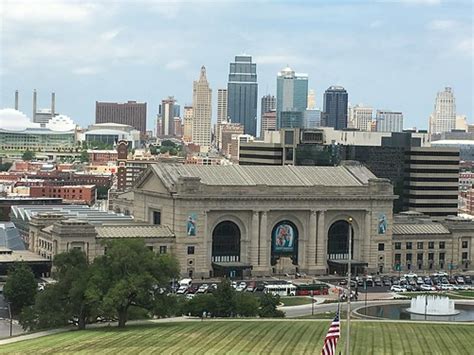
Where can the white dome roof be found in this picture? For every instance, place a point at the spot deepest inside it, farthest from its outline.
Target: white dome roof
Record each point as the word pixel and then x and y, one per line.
pixel 14 120
pixel 61 123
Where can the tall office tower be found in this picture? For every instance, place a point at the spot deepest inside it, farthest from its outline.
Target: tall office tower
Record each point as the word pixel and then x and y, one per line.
pixel 221 113
pixel 268 122
pixel 177 110
pixel 389 121
pixel 335 107
pixel 131 113
pixel 188 123
pixel 202 112
pixel 443 118
pixel 292 98
pixel 311 100
pixel 268 104
pixel 242 91
pixel 167 115
pixel 361 117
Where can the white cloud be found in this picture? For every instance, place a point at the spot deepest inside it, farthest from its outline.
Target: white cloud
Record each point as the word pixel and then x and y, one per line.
pixel 86 70
pixel 176 64
pixel 109 35
pixel 442 25
pixel 466 46
pixel 46 11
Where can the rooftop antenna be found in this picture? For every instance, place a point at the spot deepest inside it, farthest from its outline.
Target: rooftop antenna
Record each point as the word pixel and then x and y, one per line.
pixel 16 100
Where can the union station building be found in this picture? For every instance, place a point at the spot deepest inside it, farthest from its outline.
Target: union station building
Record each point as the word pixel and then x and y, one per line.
pixel 264 220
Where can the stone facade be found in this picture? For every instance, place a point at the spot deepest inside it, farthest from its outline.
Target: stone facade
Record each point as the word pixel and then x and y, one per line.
pixel 177 194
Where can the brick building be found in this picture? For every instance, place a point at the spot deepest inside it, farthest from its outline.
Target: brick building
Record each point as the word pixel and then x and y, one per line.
pixel 130 113
pixel 73 194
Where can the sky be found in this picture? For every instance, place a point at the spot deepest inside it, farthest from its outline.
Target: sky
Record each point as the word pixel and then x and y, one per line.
pixel 392 55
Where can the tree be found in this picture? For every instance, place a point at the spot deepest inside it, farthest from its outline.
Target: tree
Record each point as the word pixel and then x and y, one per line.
pixel 225 299
pixel 20 288
pixel 199 304
pixel 28 155
pixel 246 305
pixel 5 166
pixel 67 299
pixel 268 306
pixel 168 143
pixel 84 157
pixel 129 274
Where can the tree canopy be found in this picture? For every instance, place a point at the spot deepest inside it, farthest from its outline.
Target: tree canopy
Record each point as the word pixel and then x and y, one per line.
pixel 20 287
pixel 28 155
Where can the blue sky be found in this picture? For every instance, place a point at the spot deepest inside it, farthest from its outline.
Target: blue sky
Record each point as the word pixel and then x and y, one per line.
pixel 387 54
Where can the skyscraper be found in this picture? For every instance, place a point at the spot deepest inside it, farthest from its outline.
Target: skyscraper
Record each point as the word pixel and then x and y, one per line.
pixel 202 112
pixel 292 98
pixel 221 113
pixel 389 121
pixel 443 118
pixel 166 114
pixel 361 117
pixel 335 107
pixel 131 113
pixel 268 104
pixel 311 100
pixel 242 91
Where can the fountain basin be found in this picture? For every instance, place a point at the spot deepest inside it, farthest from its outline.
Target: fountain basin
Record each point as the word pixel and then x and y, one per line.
pixel 432 305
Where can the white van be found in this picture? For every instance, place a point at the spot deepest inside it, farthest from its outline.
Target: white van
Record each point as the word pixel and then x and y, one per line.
pixel 185 282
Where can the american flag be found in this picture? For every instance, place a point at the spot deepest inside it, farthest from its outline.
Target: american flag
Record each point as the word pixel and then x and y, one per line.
pixel 332 336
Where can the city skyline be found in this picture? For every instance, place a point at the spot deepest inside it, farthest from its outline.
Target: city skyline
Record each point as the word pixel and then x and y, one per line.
pixel 389 68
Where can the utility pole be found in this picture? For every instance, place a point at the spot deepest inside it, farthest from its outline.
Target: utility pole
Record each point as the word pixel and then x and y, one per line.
pixel 11 318
pixel 349 235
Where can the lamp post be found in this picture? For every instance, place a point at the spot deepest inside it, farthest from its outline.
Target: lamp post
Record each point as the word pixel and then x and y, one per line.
pixel 349 236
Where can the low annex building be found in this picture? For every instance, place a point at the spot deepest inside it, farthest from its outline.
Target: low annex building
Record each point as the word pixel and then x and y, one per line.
pixel 264 220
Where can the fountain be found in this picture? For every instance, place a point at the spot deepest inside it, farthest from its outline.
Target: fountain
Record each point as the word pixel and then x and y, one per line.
pixel 432 305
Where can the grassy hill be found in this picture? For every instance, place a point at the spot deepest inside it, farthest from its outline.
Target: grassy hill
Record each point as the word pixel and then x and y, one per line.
pixel 254 337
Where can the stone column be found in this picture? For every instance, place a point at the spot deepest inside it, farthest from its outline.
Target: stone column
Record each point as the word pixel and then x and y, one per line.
pixel 254 234
pixel 311 256
pixel 367 254
pixel 321 242
pixel 263 261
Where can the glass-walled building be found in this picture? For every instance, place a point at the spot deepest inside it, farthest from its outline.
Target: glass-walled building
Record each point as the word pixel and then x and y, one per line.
pixel 292 96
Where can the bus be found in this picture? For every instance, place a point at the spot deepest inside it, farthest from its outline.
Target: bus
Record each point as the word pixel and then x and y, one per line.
pixel 280 290
pixel 309 289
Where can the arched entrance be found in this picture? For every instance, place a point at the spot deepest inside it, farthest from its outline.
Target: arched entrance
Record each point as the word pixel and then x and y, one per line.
pixel 338 246
pixel 226 249
pixel 284 247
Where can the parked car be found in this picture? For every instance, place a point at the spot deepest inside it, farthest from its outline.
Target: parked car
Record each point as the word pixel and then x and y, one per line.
pixel 182 290
pixel 241 286
pixel 396 288
pixel 420 281
pixel 203 288
pixel 460 280
pixel 425 287
pixel 192 289
pixel 387 282
pixel 467 279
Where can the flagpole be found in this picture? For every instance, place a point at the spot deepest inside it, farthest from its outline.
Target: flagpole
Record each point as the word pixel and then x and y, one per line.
pixel 349 234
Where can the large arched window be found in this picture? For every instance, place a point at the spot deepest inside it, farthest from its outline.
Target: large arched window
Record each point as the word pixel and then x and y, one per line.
pixel 338 242
pixel 284 241
pixel 226 242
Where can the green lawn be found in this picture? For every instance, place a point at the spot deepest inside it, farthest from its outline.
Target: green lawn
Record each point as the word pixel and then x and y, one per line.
pixel 253 337
pixel 295 301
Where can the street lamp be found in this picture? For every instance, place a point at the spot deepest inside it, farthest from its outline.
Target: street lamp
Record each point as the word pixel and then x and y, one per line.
pixel 349 236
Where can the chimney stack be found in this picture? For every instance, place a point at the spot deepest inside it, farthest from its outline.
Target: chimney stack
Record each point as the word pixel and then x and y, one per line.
pixel 16 100
pixel 53 104
pixel 34 105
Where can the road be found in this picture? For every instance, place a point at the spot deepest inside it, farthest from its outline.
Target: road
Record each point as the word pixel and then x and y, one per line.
pixel 5 321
